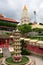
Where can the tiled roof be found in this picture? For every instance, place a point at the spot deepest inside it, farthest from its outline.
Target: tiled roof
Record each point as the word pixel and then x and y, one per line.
pixel 7 19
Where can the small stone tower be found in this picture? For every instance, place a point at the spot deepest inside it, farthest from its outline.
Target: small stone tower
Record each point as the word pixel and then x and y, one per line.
pixel 17 47
pixel 25 16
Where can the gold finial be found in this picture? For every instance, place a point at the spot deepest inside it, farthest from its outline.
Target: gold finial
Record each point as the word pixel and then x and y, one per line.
pixel 25 8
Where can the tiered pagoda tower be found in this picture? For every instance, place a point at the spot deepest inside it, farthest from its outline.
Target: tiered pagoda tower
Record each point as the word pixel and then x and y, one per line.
pixel 25 16
pixel 17 47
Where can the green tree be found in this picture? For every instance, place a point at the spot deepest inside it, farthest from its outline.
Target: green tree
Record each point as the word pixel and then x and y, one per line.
pixel 25 28
pixel 24 50
pixel 23 44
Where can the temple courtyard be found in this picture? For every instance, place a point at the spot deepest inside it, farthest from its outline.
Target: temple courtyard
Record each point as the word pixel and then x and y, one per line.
pixel 21 41
pixel 35 60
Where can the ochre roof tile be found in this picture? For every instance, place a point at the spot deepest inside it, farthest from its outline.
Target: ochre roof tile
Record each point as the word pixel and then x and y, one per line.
pixel 7 19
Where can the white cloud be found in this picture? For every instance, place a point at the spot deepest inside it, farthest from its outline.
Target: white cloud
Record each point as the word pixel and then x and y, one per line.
pixel 41 6
pixel 13 8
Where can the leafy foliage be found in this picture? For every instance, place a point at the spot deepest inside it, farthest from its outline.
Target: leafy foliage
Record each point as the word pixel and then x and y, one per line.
pixel 26 52
pixel 1 55
pixel 8 24
pixel 23 44
pixel 25 28
pixel 30 23
pixel 38 29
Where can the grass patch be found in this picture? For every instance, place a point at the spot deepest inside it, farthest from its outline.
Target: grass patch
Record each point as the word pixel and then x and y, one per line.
pixel 10 61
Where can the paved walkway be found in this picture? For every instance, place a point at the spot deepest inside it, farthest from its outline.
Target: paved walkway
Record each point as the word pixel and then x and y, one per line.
pixel 2 61
pixel 36 60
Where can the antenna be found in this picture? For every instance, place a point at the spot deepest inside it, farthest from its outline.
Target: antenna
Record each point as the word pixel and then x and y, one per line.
pixel 35 16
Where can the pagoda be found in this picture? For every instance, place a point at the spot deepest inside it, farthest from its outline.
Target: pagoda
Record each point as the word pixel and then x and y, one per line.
pixel 25 16
pixel 17 47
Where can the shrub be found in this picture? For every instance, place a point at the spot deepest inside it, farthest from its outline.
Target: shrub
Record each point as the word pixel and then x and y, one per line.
pixel 26 52
pixel 1 55
pixel 23 44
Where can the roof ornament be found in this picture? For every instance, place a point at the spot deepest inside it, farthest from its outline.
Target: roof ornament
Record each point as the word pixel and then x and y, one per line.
pixel 25 8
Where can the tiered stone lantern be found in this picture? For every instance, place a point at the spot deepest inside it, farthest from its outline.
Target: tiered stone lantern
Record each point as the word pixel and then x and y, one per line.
pixel 17 58
pixel 17 47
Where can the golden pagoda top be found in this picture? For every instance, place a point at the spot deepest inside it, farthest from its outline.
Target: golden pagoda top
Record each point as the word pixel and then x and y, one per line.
pixel 25 8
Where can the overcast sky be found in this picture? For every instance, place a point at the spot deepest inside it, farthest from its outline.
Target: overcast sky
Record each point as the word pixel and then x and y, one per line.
pixel 13 8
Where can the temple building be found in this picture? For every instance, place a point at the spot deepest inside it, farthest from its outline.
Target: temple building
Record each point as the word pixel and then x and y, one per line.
pixel 25 19
pixel 7 25
pixel 25 16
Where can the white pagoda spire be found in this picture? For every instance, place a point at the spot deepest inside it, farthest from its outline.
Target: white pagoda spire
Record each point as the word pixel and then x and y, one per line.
pixel 25 16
